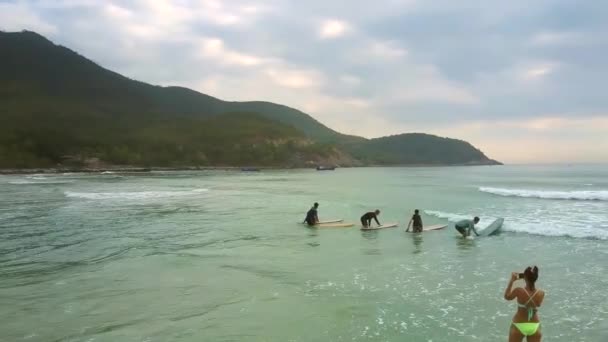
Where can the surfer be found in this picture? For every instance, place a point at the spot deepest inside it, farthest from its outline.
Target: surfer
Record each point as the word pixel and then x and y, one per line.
pixel 312 217
pixel 366 220
pixel 464 227
pixel 529 298
pixel 417 220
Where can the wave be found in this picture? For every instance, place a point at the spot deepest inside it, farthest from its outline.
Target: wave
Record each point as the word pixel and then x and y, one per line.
pixel 40 181
pixel 557 229
pixel 448 216
pixel 452 217
pixel 594 227
pixel 37 177
pixel 138 195
pixel 597 195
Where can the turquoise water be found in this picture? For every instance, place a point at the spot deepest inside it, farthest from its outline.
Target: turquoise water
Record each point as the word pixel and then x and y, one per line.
pixel 219 256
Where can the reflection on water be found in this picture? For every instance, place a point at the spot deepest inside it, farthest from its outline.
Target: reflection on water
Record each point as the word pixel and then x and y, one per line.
pixel 464 244
pixel 417 239
pixel 313 231
pixel 370 242
pixel 370 234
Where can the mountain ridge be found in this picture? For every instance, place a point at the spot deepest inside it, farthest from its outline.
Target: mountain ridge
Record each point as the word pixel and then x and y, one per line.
pixel 78 100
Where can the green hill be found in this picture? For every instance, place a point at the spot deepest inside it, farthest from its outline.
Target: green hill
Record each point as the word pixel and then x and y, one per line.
pixel 59 107
pixel 417 149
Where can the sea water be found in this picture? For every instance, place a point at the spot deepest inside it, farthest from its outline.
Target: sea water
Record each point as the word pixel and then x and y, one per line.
pixel 221 256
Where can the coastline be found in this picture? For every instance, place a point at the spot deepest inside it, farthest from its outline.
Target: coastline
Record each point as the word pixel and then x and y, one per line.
pixel 130 169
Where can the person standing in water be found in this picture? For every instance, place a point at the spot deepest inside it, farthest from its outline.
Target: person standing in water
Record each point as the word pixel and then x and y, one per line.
pixel 366 219
pixel 464 227
pixel 312 217
pixel 417 220
pixel 525 321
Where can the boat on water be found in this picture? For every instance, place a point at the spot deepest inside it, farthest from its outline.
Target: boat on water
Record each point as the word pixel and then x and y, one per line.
pixel 326 168
pixel 250 169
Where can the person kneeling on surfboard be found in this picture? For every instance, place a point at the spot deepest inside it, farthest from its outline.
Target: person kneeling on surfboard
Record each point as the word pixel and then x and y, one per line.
pixel 417 220
pixel 312 217
pixel 366 220
pixel 464 227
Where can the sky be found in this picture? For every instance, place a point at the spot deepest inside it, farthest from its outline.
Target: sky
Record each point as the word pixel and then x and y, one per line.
pixel 524 81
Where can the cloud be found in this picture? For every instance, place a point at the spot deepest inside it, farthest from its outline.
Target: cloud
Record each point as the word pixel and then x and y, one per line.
pixel 333 28
pixel 468 69
pixel 117 11
pixel 539 71
pixel 557 38
pixel 214 48
pixel 295 78
pixel 350 80
pixel 387 50
pixel 17 17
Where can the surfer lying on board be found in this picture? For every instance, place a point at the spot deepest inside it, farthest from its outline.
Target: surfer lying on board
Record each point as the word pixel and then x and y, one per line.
pixel 312 217
pixel 417 220
pixel 529 299
pixel 366 220
pixel 464 227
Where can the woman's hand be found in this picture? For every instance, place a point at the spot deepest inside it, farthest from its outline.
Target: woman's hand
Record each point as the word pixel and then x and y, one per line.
pixel 509 295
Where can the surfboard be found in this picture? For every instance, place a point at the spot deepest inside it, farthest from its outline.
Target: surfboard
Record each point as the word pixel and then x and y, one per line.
pixel 329 221
pixel 326 222
pixel 430 228
pixel 334 225
pixel 388 225
pixel 491 228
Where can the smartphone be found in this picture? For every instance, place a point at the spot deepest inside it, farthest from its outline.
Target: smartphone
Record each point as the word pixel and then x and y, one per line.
pixel 521 276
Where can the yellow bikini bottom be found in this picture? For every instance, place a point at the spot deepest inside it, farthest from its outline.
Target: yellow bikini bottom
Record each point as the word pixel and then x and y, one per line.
pixel 527 328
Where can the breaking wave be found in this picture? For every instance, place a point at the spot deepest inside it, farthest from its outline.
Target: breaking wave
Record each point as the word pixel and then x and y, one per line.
pixel 484 219
pixel 594 226
pixel 39 181
pixel 596 195
pixel 139 195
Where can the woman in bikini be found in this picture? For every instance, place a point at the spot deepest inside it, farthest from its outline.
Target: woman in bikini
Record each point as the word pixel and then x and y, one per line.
pixel 529 299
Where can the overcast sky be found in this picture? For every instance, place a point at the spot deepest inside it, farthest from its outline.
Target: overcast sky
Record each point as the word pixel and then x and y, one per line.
pixel 525 81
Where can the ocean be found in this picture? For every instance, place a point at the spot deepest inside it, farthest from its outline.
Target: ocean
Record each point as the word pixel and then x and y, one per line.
pixel 222 256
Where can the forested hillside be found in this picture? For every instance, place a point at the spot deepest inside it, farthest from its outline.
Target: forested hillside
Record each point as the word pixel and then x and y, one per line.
pixel 59 108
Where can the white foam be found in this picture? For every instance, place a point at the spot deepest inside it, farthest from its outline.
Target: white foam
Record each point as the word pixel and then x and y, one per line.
pixel 136 195
pixel 445 215
pixel 557 229
pixel 40 181
pixel 580 223
pixel 484 221
pixel 36 177
pixel 595 195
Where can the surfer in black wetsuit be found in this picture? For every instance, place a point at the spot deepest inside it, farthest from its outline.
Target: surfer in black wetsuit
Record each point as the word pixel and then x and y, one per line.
pixel 417 220
pixel 312 216
pixel 366 220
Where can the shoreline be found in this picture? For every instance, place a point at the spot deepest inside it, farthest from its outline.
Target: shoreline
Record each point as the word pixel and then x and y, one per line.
pixel 128 169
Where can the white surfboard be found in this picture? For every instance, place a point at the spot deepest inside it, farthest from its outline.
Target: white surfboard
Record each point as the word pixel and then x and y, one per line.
pixel 430 228
pixel 387 225
pixel 334 225
pixel 491 228
pixel 326 222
